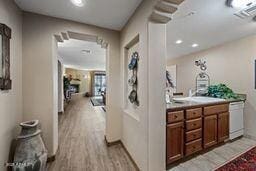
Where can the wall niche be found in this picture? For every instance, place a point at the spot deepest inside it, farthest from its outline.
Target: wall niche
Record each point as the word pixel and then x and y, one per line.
pixel 132 77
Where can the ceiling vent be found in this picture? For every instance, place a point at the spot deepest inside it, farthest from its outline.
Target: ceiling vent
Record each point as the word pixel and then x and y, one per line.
pixel 247 12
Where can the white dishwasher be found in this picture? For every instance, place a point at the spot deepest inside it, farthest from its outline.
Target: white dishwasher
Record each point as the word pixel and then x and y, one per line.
pixel 236 119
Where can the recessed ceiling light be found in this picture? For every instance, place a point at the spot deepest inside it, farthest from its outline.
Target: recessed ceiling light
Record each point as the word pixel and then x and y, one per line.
pixel 178 41
pixel 78 3
pixel 240 3
pixel 195 45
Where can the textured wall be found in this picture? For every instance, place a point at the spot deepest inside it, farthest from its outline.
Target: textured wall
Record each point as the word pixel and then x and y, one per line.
pixel 40 70
pixel 11 101
pixel 143 129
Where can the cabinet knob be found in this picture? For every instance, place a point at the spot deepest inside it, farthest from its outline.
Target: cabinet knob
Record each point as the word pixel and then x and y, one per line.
pixel 175 116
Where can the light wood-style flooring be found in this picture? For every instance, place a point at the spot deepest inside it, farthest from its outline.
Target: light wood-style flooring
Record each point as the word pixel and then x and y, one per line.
pixel 81 141
pixel 82 146
pixel 216 157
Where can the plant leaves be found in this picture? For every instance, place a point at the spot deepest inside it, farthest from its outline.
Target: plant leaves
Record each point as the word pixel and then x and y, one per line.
pixel 221 91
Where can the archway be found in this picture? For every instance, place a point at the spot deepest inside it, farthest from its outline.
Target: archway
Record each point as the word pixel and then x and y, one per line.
pixel 65 36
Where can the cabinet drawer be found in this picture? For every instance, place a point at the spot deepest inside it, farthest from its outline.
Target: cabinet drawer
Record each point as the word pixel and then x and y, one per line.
pixel 193 135
pixel 193 124
pixel 175 116
pixel 193 113
pixel 216 109
pixel 193 147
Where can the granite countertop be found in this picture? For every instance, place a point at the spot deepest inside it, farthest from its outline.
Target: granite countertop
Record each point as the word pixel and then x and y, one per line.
pixel 241 97
pixel 191 104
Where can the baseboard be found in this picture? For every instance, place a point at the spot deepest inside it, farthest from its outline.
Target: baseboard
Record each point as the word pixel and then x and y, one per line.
pixel 129 155
pixel 51 159
pixel 250 137
pixel 109 144
pixel 60 113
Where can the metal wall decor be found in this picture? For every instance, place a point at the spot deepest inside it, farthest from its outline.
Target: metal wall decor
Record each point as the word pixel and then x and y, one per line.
pixel 201 64
pixel 133 66
pixel 202 83
pixel 5 36
pixel 202 79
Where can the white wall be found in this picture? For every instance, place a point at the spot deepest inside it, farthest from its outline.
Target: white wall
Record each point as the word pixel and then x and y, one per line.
pixel 60 86
pixel 11 101
pixel 231 63
pixel 54 81
pixel 156 96
pixel 144 134
pixel 40 69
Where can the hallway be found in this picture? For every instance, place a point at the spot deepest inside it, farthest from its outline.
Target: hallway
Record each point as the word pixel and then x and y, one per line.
pixel 81 141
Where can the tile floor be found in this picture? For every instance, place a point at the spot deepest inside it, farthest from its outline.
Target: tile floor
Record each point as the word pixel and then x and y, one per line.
pixel 216 157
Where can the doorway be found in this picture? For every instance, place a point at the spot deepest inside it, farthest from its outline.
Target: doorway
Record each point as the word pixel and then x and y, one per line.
pixel 84 68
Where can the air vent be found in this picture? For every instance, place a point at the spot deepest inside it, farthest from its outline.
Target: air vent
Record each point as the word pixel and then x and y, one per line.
pixel 247 12
pixel 86 51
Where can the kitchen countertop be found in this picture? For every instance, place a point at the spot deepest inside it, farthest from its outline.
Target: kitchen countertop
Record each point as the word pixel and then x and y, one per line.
pixel 191 104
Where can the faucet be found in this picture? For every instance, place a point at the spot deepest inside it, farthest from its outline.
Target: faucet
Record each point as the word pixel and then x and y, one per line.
pixel 192 92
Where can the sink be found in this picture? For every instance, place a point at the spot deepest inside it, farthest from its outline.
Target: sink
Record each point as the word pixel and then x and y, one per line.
pixel 198 99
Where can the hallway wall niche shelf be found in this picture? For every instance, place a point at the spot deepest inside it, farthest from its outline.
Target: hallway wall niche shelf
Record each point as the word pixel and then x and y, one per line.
pixel 132 77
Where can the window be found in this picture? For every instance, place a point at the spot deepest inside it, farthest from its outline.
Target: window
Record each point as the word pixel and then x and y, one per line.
pixel 99 84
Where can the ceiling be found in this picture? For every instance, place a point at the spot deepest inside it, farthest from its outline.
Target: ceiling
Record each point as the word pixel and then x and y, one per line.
pixel 212 24
pixel 73 57
pixel 112 14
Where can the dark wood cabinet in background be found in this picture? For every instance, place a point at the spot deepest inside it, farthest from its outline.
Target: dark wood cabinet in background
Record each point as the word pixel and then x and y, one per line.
pixel 174 141
pixel 210 131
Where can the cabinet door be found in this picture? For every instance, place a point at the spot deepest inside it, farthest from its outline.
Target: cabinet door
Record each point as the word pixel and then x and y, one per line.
pixel 174 142
pixel 223 126
pixel 210 131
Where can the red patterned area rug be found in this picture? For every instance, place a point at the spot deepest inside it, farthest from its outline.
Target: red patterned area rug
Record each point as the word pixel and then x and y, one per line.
pixel 244 162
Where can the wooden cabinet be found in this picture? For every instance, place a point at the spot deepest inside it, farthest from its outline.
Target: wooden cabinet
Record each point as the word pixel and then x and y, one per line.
pixel 193 124
pixel 223 126
pixel 175 116
pixel 174 141
pixel 193 147
pixel 216 124
pixel 193 129
pixel 193 135
pixel 193 113
pixel 210 131
pixel 209 110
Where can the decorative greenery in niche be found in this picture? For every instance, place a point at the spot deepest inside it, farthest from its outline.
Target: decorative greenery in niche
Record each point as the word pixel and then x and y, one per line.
pixel 221 91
